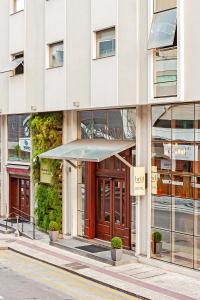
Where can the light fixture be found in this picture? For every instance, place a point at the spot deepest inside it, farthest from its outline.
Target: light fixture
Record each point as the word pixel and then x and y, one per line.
pixel 33 107
pixel 76 103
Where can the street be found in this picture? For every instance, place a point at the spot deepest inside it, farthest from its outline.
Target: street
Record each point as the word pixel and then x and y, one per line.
pixel 24 278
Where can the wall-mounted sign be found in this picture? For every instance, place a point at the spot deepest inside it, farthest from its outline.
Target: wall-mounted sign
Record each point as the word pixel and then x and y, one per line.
pixel 137 186
pixel 181 152
pixel 45 174
pixel 25 144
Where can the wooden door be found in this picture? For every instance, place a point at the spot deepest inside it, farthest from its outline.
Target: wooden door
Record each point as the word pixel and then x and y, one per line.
pixel 112 210
pixel 20 196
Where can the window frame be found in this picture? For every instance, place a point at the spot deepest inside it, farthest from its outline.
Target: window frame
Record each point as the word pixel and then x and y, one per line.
pixel 19 70
pixel 49 59
pixel 97 42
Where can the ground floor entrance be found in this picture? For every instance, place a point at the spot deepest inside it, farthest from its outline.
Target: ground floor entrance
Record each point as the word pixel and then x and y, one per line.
pixel 19 188
pixel 108 201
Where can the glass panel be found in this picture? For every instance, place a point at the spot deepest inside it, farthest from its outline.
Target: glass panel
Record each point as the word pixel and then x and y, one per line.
pixel 161 122
pixel 163 184
pixel 129 124
pixel 161 156
pixel 123 202
pixel 165 253
pixel 105 40
pixel 56 55
pixel 160 5
pixel 182 246
pixel 115 124
pixel 107 201
pixel 117 185
pixel 100 124
pixel 183 124
pixel 197 253
pixel 197 218
pixel 19 5
pixel 165 72
pixel 163 29
pixel 133 223
pixel 161 212
pixel 19 143
pixel 182 186
pixel 183 215
pixel 86 124
pixel 100 200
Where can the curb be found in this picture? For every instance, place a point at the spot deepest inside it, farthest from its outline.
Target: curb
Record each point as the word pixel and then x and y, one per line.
pixel 80 275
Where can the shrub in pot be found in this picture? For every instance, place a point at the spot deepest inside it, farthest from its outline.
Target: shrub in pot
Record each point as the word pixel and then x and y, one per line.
pixel 156 242
pixel 53 231
pixel 116 251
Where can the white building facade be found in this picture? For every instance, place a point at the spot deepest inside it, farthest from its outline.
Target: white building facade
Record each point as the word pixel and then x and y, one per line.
pixel 125 75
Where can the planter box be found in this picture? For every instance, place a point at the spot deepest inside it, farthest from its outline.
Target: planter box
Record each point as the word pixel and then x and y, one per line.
pixel 53 235
pixel 116 254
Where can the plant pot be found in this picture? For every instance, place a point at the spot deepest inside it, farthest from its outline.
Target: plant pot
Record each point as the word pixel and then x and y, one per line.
pixel 53 235
pixel 158 248
pixel 116 254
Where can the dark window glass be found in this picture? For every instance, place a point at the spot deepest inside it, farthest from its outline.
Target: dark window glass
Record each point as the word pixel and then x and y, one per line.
pixel 115 124
pixel 100 128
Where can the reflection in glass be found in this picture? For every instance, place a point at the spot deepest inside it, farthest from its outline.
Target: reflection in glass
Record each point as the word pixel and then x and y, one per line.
pixel 182 186
pixel 107 201
pixel 161 122
pixel 197 218
pixel 163 184
pixel 183 123
pixel 161 212
pixel 182 247
pixel 123 202
pixel 86 124
pixel 183 214
pixel 115 124
pixel 166 245
pixel 161 156
pixel 117 201
pixel 129 123
pixel 163 29
pixel 197 253
pixel 100 128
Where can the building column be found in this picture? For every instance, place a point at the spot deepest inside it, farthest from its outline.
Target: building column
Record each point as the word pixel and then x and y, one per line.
pixel 4 175
pixel 143 159
pixel 69 177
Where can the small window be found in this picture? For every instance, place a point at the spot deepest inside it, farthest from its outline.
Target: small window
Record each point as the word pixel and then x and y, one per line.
pixel 163 29
pixel 56 55
pixel 105 43
pixel 18 5
pixel 160 5
pixel 20 68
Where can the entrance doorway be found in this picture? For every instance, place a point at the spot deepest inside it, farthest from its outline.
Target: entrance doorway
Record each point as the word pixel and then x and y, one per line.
pixel 20 195
pixel 112 210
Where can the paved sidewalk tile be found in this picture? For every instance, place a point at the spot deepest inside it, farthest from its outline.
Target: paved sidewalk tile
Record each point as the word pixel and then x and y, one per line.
pixel 137 278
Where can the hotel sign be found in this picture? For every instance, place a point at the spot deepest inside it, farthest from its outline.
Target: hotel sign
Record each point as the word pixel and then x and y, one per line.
pixel 137 187
pixel 45 174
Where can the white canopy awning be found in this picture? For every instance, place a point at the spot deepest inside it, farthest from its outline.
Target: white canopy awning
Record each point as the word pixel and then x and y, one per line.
pixel 88 150
pixel 12 65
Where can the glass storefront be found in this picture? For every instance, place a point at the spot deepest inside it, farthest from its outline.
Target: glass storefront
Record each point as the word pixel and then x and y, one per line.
pixel 115 124
pixel 19 142
pixel 176 182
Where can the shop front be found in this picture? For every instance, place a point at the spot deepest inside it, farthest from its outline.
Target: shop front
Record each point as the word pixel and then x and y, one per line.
pixel 105 151
pixel 176 182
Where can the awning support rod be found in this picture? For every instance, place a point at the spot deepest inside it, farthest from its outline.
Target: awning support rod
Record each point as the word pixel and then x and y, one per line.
pixel 123 160
pixel 71 163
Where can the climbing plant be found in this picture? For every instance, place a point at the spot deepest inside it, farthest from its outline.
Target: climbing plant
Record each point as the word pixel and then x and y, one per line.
pixel 46 130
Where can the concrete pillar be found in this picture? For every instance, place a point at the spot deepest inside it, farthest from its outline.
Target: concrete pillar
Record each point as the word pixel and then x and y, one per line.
pixel 143 158
pixel 4 175
pixel 69 177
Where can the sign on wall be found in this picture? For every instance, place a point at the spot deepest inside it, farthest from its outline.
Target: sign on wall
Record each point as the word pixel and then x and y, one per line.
pixel 137 186
pixel 25 144
pixel 45 174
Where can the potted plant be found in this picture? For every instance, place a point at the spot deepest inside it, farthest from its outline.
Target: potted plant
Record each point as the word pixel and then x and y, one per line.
pixel 53 231
pixel 156 242
pixel 116 251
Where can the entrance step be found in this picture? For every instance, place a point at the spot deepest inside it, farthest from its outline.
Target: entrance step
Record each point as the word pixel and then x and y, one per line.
pixel 92 250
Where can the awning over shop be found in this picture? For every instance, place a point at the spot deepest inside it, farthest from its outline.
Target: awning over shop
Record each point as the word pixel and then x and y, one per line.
pixel 88 150
pixel 12 65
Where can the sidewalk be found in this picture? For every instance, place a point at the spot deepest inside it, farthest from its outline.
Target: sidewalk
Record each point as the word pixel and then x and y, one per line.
pixel 136 278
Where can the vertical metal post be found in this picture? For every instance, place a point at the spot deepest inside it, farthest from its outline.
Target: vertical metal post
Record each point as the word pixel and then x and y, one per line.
pixel 17 230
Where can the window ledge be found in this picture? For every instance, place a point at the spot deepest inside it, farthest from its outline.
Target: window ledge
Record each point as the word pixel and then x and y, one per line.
pixel 97 58
pixel 16 12
pixel 51 68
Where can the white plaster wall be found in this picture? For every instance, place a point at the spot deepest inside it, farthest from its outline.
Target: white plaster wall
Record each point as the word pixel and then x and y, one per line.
pixel 104 72
pixel 34 54
pixel 16 32
pixel 78 52
pixel 54 89
pixel 54 20
pixel 191 50
pixel 4 53
pixel 17 101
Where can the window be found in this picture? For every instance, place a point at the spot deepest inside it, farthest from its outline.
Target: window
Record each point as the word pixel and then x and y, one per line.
pixel 19 58
pixel 56 55
pixel 160 5
pixel 18 5
pixel 105 43
pixel 165 72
